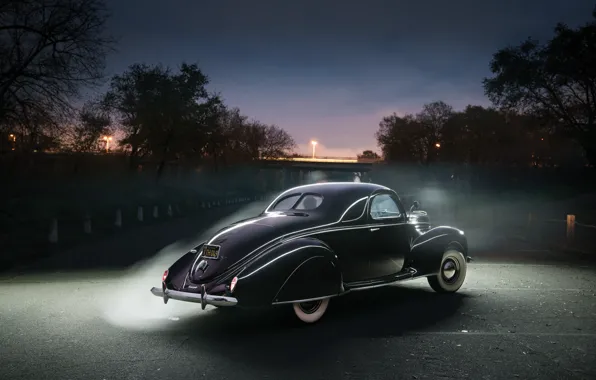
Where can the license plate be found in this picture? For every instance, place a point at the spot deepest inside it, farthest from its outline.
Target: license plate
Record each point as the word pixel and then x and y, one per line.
pixel 211 252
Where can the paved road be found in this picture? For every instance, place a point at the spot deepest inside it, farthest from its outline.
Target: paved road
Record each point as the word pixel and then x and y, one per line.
pixel 518 316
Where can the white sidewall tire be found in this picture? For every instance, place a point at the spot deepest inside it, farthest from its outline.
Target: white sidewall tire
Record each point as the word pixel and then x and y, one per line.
pixel 311 317
pixel 439 284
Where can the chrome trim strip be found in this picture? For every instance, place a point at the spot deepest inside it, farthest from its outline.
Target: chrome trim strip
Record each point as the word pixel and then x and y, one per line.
pixel 208 299
pixel 246 260
pixel 405 277
pixel 412 276
pixel 374 225
pixel 306 300
pixel 427 240
pixel 314 185
pixel 295 233
pixel 352 205
pixel 280 256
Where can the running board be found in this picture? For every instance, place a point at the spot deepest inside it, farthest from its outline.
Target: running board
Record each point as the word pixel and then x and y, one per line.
pixel 383 281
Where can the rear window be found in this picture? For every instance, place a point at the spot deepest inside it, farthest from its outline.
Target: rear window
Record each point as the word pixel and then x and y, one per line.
pixel 309 202
pixel 298 202
pixel 286 203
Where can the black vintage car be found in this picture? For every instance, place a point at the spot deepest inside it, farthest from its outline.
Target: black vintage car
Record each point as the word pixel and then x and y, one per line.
pixel 316 242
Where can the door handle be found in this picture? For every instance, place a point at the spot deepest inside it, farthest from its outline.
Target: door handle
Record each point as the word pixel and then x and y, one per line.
pixel 374 229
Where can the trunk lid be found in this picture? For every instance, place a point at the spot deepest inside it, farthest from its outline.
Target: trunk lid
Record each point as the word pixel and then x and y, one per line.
pixel 235 242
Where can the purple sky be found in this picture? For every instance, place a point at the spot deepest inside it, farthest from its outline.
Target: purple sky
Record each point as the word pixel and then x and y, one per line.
pixel 331 69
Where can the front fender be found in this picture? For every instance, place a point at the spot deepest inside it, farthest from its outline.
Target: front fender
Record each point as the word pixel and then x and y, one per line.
pixel 427 249
pixel 296 270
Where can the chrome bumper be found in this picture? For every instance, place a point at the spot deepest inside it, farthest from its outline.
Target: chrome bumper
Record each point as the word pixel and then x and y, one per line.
pixel 203 298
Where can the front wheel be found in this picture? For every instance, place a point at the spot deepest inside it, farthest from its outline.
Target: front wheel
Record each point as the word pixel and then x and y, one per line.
pixel 452 273
pixel 311 311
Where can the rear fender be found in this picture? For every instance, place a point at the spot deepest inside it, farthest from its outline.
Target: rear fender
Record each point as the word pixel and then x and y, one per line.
pixel 179 270
pixel 427 249
pixel 296 270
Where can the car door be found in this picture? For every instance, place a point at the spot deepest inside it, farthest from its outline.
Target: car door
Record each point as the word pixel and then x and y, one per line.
pixel 388 235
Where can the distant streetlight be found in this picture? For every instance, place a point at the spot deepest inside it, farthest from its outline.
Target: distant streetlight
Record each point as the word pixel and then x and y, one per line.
pixel 12 138
pixel 438 145
pixel 314 144
pixel 107 139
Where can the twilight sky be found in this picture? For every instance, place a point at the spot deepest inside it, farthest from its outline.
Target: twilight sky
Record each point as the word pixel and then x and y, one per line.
pixel 331 69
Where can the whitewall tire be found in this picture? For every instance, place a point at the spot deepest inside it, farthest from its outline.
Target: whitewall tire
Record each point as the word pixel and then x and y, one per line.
pixel 452 273
pixel 312 311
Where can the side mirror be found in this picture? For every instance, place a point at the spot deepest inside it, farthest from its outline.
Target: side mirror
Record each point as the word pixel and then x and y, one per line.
pixel 415 206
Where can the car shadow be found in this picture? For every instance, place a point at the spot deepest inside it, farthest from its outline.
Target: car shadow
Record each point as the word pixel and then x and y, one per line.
pixel 275 337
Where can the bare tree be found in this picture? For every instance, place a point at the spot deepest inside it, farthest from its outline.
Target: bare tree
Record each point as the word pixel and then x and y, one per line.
pixel 49 50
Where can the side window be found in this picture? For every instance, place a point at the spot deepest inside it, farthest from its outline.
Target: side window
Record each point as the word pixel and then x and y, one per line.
pixel 383 207
pixel 355 211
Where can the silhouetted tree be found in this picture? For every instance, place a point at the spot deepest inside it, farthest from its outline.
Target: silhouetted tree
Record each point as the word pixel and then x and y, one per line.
pixel 486 136
pixel 401 139
pixel 432 119
pixel 161 113
pixel 84 134
pixel 555 81
pixel 244 139
pixel 414 138
pixel 369 155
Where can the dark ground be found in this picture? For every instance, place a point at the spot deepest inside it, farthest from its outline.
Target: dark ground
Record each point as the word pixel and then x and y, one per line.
pixel 523 313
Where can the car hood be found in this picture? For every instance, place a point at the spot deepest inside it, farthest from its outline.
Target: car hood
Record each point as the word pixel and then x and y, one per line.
pixel 244 238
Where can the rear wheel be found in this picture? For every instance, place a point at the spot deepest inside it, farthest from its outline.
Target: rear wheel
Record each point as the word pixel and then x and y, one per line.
pixel 452 273
pixel 311 311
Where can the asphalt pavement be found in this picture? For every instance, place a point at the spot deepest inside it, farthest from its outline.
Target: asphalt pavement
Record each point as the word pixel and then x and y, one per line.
pixel 522 313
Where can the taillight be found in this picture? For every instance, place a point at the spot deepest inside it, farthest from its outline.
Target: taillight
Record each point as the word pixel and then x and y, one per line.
pixel 165 275
pixel 233 284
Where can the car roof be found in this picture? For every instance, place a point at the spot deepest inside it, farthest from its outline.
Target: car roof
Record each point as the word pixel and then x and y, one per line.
pixel 356 189
pixel 342 193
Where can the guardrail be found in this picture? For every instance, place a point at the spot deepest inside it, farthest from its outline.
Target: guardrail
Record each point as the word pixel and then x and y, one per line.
pixel 38 237
pixel 145 214
pixel 567 233
pixel 562 233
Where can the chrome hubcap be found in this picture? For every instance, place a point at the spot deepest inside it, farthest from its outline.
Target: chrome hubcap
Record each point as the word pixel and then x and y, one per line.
pixel 310 307
pixel 450 270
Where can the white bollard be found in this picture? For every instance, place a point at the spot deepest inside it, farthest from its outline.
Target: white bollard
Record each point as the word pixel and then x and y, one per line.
pixel 118 221
pixel 155 212
pixel 208 204
pixel 140 214
pixel 87 224
pixel 53 235
pixel 170 213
